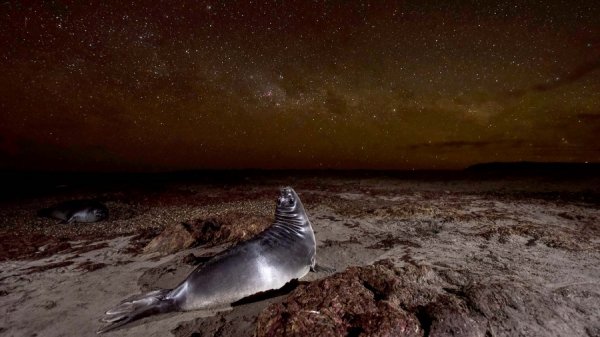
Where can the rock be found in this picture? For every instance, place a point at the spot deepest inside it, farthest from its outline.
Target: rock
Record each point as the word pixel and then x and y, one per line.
pixel 171 240
pixel 417 300
pixel 230 227
pixel 238 227
pixel 448 315
pixel 352 303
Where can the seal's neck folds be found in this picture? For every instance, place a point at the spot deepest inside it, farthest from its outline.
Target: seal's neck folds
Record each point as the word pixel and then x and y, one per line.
pixel 291 218
pixel 290 211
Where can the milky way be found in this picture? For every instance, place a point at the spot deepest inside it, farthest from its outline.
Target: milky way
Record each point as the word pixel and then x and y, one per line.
pixel 297 84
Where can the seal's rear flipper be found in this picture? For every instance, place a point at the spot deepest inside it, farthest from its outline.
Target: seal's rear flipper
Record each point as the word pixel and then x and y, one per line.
pixel 154 302
pixel 320 268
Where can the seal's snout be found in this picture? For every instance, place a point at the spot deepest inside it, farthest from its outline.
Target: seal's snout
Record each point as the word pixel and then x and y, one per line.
pixel 287 197
pixel 101 213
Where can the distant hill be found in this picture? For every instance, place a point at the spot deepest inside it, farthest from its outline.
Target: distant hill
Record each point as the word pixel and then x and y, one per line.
pixel 527 167
pixel 22 183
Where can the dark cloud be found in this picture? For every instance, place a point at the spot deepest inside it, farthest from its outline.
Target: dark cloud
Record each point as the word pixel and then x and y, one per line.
pixel 456 145
pixel 29 154
pixel 562 79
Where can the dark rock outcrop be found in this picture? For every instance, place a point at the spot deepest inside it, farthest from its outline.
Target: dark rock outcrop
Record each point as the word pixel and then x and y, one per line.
pixel 383 300
pixel 230 227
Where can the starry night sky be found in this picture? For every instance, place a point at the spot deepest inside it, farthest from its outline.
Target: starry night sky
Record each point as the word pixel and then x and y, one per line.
pixel 172 85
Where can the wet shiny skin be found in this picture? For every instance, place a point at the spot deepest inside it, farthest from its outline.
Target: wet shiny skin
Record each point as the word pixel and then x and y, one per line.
pixel 283 252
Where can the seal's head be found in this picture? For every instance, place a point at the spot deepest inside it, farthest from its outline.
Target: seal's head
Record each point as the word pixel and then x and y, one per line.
pixel 91 213
pixel 96 212
pixel 288 201
pixel 100 213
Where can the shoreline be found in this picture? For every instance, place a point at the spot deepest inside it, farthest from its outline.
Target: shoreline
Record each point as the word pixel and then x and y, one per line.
pixel 58 279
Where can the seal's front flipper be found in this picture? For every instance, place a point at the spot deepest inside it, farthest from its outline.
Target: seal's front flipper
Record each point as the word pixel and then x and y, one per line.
pixel 317 268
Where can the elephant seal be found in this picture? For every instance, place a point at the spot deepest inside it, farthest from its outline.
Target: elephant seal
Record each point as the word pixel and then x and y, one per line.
pixel 283 252
pixel 76 211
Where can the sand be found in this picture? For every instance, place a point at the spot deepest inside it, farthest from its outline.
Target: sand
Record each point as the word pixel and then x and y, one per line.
pixel 541 232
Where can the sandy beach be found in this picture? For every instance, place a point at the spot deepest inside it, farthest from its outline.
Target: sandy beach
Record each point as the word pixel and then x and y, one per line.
pixel 535 238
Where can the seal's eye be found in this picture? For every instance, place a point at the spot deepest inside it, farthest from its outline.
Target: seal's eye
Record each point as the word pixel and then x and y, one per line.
pixel 291 202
